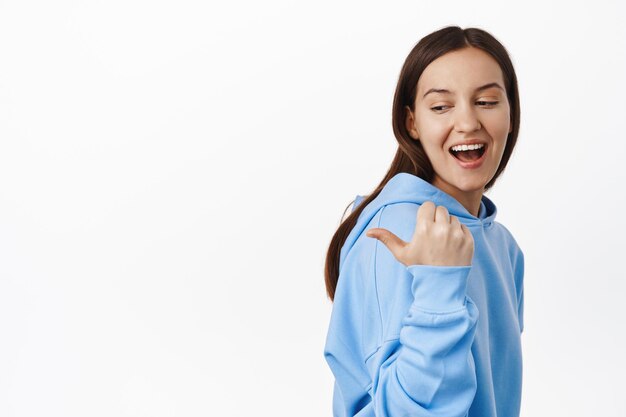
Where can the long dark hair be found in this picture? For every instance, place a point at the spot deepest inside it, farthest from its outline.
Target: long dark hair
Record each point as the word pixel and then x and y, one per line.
pixel 410 156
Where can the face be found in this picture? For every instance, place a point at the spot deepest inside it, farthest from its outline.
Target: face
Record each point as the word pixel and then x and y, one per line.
pixel 462 113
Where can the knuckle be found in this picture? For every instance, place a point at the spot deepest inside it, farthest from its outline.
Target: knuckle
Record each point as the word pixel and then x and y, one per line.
pixel 426 204
pixel 422 226
pixel 440 230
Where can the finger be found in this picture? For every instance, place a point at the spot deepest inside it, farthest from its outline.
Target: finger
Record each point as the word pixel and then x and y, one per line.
pixel 426 212
pixel 442 215
pixel 457 226
pixel 393 242
pixel 454 221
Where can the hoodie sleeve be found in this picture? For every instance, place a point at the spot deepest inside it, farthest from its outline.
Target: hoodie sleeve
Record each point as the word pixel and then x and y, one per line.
pixel 423 364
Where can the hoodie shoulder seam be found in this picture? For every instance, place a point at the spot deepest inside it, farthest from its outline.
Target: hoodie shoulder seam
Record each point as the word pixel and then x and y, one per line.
pixel 380 314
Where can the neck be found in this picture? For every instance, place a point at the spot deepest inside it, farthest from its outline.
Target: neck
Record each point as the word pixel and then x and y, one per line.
pixel 471 203
pixel 468 199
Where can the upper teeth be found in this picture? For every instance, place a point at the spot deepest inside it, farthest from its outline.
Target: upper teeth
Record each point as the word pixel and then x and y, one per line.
pixel 467 147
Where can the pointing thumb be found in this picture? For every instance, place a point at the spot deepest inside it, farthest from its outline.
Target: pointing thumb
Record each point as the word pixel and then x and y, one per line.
pixel 393 242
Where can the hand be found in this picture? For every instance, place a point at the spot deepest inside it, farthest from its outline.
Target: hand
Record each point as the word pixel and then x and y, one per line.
pixel 439 239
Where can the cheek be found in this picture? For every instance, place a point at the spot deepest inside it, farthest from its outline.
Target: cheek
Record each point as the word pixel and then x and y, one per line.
pixel 435 130
pixel 498 124
pixel 431 124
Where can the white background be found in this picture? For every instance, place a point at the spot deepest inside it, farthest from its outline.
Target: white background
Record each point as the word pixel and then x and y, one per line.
pixel 171 174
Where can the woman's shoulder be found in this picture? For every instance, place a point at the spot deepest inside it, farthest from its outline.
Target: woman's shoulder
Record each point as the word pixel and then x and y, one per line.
pixel 399 218
pixel 507 237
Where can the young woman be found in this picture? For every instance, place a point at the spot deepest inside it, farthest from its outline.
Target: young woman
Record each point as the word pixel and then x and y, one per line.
pixel 427 287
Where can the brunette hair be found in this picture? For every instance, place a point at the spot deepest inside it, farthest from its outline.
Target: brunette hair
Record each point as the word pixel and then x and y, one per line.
pixel 410 156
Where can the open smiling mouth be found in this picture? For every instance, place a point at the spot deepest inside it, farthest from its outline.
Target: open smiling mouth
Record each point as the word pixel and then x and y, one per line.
pixel 469 155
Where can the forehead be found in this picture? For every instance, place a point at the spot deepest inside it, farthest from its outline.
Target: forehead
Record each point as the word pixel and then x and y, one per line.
pixel 459 71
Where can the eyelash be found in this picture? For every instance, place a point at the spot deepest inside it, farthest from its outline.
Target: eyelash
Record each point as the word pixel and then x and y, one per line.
pixel 493 103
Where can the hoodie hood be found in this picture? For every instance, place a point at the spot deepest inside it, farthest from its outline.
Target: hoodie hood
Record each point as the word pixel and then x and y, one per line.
pixel 408 188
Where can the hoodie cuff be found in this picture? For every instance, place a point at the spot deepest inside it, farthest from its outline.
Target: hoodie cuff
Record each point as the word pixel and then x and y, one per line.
pixel 439 288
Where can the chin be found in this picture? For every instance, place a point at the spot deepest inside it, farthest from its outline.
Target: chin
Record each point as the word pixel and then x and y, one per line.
pixel 470 185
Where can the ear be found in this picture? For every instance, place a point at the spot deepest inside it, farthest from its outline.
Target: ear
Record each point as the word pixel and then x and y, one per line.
pixel 409 123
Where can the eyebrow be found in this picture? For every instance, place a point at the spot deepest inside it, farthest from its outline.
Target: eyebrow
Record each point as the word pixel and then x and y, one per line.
pixel 444 91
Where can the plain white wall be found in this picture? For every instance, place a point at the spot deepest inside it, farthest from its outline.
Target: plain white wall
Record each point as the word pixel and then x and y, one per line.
pixel 171 173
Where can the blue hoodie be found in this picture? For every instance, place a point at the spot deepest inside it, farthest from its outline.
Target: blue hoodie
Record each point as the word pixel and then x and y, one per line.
pixel 425 340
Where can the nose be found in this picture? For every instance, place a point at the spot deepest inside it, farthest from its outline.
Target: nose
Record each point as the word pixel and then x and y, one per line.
pixel 466 120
